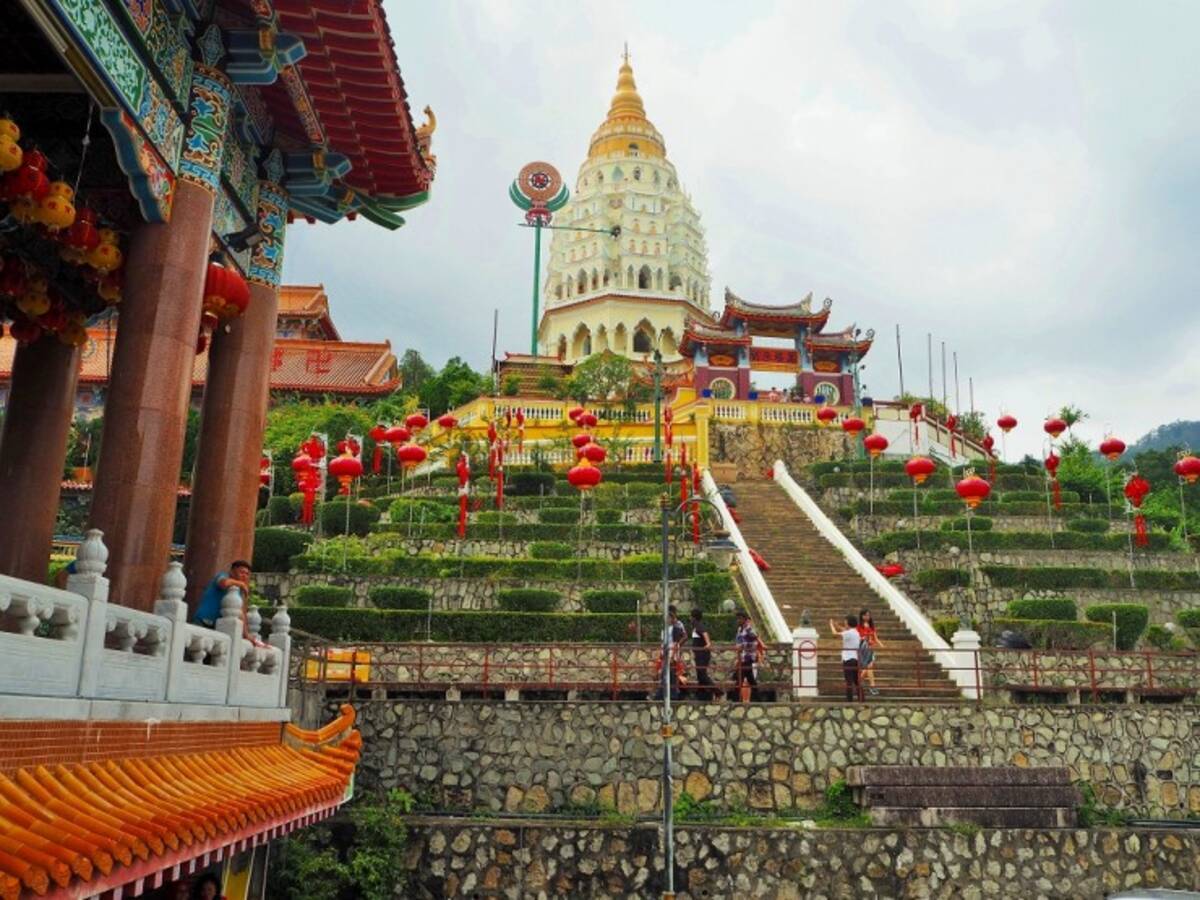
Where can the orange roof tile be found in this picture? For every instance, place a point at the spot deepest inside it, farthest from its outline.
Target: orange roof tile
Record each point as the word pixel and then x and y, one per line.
pixel 87 827
pixel 308 301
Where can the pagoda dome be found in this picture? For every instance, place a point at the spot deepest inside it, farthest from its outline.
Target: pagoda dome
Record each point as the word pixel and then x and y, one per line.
pixel 626 130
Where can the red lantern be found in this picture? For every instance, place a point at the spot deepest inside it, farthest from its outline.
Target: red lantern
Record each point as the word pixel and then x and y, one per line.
pixel 301 462
pixel 1112 448
pixel 584 476
pixel 853 426
pixel 1054 426
pixel 973 490
pixel 1052 462
pixel 1136 489
pixel 345 469
pixel 875 443
pixel 581 440
pixel 397 435
pixel 593 453
pixel 588 420
pixel 314 448
pixel 24 331
pixel 988 442
pixel 378 436
pixel 416 421
pixel 411 455
pixel 1188 468
pixel 1006 423
pixel 83 236
pixel 574 413
pixel 226 293
pixel 891 570
pixel 919 468
pixel 826 414
pixel 447 421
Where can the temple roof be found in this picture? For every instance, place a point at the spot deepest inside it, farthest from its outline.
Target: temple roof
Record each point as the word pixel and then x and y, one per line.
pixel 697 333
pixel 306 301
pixel 840 341
pixel 626 122
pixel 792 313
pixel 358 97
pixel 90 807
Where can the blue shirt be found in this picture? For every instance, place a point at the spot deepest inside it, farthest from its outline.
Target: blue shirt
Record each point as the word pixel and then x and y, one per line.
pixel 209 609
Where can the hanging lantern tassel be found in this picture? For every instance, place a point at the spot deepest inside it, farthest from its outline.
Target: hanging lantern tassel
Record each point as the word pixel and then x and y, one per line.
pixel 683 491
pixel 1136 489
pixel 668 420
pixel 491 463
pixel 499 474
pixel 520 431
pixel 464 481
pixel 952 426
pixel 1140 537
pixel 914 416
pixel 683 454
pixel 1052 462
pixel 696 522
pixel 667 469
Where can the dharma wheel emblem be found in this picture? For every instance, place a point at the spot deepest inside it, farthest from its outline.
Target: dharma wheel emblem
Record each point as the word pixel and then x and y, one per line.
pixel 538 190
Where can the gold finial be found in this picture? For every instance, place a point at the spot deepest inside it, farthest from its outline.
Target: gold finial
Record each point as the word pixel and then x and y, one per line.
pixel 625 55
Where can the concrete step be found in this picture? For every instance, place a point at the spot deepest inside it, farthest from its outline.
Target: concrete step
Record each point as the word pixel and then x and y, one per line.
pixel 968 795
pixel 996 776
pixel 985 817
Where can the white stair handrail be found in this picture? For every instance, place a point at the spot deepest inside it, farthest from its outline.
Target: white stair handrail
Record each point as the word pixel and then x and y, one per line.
pixel 755 583
pixel 899 603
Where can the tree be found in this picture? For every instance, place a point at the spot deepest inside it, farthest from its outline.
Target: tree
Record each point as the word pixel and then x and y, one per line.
pixel 455 385
pixel 414 371
pixel 1072 415
pixel 604 376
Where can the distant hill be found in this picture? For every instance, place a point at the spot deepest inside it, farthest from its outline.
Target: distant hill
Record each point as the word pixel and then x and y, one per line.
pixel 1175 434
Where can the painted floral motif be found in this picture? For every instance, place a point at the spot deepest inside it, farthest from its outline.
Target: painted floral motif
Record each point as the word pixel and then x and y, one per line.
pixel 266 264
pixel 228 219
pixel 168 47
pixel 150 178
pixel 106 43
pixel 238 171
pixel 203 146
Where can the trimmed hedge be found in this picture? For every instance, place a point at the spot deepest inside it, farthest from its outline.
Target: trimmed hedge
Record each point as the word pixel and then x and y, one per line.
pixel 978 523
pixel 528 531
pixel 1188 618
pixel 1088 525
pixel 432 511
pixel 1060 577
pixel 943 579
pixel 646 567
pixel 1052 634
pixel 482 627
pixel 1131 620
pixel 279 511
pixel 612 601
pixel 275 547
pixel 332 516
pixel 1059 608
pixel 529 484
pixel 324 595
pixel 610 495
pixel 608 516
pixel 550 550
pixel 389 597
pixel 1158 637
pixel 559 515
pixel 891 541
pixel 711 589
pixel 491 517
pixel 955 508
pixel 528 600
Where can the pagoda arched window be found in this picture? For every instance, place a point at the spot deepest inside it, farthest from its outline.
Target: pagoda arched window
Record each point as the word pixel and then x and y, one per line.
pixel 642 342
pixel 658 275
pixel 644 277
pixel 599 178
pixel 582 281
pixel 604 278
pixel 653 228
pixel 629 277
pixel 657 249
pixel 637 226
pixel 632 247
pixel 595 279
pixel 558 292
pixel 637 174
pixel 676 282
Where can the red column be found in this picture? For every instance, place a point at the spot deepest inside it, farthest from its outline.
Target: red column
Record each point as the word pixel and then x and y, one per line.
pixel 33 446
pixel 226 487
pixel 145 415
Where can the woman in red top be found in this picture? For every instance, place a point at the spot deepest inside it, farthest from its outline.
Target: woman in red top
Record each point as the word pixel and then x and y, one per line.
pixel 870 641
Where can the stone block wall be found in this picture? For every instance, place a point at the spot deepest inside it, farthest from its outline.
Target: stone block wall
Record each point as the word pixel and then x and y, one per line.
pixel 916 560
pixel 754 448
pixel 453 858
pixel 539 757
pixel 990 602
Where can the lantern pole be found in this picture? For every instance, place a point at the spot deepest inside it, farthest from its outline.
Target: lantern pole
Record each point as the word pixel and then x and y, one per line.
pixel 1049 505
pixel 658 398
pixel 871 484
pixel 537 268
pixel 1108 485
pixel 1129 534
pixel 916 519
pixel 1182 511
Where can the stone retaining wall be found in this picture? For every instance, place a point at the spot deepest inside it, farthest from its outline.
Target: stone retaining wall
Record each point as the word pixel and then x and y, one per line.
pixel 983 603
pixel 538 757
pixel 461 593
pixel 454 858
pixel 916 560
pixel 754 448
pixel 872 526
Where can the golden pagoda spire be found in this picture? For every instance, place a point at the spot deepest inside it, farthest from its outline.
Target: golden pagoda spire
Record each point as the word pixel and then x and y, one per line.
pixel 626 124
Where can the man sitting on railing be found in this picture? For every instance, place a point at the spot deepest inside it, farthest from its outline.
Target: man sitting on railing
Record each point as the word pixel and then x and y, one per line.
pixel 209 609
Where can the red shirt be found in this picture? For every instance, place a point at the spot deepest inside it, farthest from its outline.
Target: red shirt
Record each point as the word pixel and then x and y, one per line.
pixel 867 633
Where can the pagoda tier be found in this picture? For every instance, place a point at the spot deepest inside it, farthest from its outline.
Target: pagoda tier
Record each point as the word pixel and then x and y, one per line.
pixel 829 346
pixel 774 321
pixel 714 338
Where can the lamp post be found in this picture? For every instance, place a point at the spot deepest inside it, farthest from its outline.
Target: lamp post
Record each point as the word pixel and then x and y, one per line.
pixel 658 398
pixel 667 729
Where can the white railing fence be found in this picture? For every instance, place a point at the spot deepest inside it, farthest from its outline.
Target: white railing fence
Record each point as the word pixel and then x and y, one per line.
pixel 949 658
pixel 74 643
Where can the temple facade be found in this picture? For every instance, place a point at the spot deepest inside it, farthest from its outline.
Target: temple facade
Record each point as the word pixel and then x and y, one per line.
pixel 637 267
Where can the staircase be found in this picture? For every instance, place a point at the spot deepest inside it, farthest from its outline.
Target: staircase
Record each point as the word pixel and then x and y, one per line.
pixel 934 797
pixel 808 573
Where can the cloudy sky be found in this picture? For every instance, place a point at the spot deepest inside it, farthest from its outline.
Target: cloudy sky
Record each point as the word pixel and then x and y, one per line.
pixel 1021 180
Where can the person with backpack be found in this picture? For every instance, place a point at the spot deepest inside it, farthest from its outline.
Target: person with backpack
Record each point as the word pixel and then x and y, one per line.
pixel 866 651
pixel 851 644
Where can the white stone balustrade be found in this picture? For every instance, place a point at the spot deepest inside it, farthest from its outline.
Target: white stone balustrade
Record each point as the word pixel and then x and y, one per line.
pixel 73 643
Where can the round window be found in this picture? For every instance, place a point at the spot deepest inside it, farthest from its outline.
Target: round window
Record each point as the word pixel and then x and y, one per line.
pixel 829 391
pixel 723 389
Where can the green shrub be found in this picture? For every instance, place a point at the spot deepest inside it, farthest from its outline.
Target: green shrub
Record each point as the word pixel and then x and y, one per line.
pixel 711 589
pixel 406 509
pixel 481 627
pixel 612 601
pixel 946 627
pixel 529 484
pixel 978 523
pixel 528 600
pixel 550 550
pixel 491 517
pixel 1052 634
pixel 892 541
pixel 559 515
pixel 333 518
pixel 1022 496
pixel 1160 638
pixel 279 511
pixel 528 531
pixel 275 547
pixel 1131 620
pixel 1088 525
pixel 324 595
pixel 636 495
pixel 1058 608
pixel 1061 577
pixel 943 579
pixel 1188 618
pixel 608 516
pixel 392 597
pixel 399 563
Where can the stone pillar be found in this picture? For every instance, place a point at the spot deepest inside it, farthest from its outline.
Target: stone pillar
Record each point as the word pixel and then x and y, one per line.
pixel 33 446
pixel 225 489
pixel 145 415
